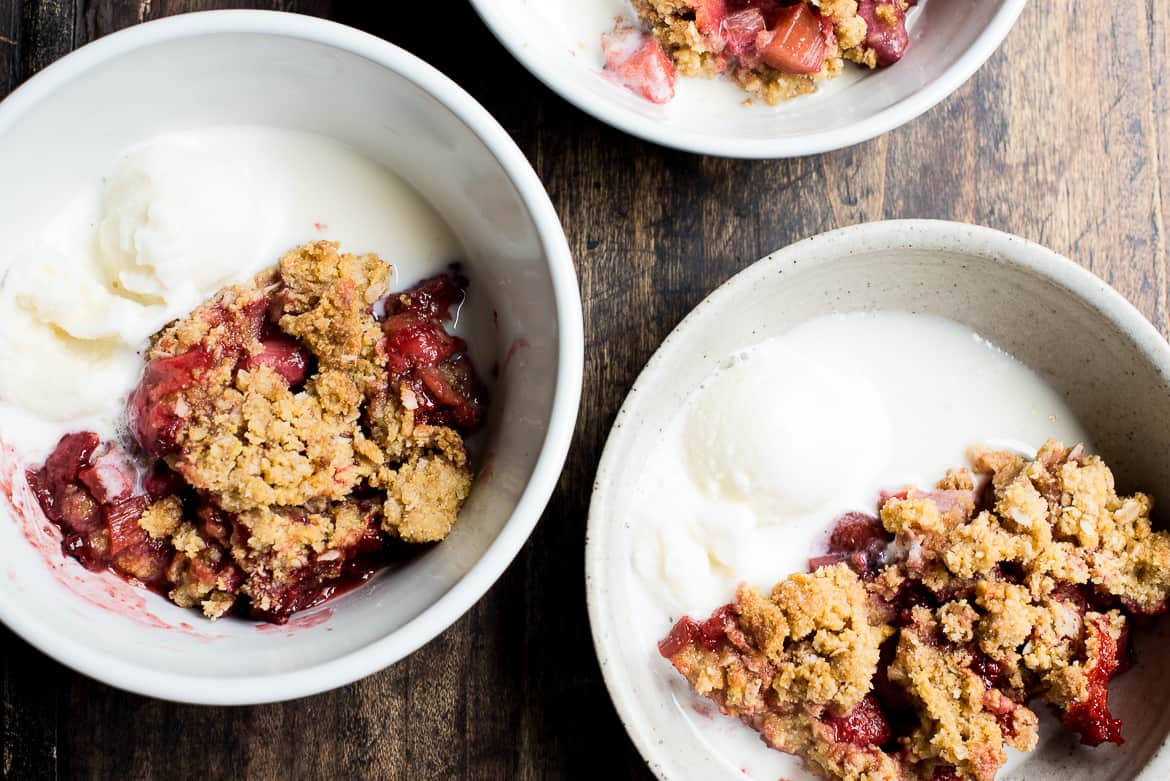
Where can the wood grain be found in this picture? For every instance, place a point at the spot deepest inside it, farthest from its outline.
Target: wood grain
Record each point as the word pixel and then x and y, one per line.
pixel 1060 138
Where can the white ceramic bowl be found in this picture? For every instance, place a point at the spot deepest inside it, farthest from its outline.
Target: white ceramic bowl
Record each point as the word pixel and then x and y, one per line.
pixel 301 73
pixel 559 42
pixel 1078 334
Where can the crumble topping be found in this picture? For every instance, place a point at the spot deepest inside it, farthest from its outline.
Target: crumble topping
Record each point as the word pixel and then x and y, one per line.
pixel 914 646
pixel 774 52
pixel 296 437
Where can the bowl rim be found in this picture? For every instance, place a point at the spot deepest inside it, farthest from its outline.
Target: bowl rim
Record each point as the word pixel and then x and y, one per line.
pixel 982 244
pixel 275 687
pixel 623 118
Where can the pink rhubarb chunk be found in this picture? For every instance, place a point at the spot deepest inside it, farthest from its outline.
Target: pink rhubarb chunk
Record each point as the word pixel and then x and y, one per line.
pixel 638 62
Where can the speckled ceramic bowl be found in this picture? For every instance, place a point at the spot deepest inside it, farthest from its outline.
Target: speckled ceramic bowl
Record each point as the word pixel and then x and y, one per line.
pixel 300 73
pixel 559 41
pixel 1070 327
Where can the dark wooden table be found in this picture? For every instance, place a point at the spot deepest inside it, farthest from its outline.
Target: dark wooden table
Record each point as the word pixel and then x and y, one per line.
pixel 1063 137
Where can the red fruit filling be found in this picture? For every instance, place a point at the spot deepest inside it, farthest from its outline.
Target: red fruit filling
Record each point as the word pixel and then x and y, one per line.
pixel 444 387
pixel 284 356
pixel 739 31
pixel 885 29
pixel 99 496
pixel 638 62
pixel 686 630
pixel 155 416
pixel 865 725
pixel 796 44
pixel 1090 716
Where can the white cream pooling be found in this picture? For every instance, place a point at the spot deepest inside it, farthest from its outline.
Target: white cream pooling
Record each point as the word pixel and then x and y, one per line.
pixel 942 389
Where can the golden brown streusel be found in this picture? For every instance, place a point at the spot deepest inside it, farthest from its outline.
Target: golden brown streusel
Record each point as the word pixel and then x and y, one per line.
pixel 973 603
pixel 695 54
pixel 302 472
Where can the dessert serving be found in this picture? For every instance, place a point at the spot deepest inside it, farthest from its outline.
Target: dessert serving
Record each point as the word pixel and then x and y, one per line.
pixel 773 49
pixel 239 436
pixel 818 588
pixel 914 646
pixel 283 441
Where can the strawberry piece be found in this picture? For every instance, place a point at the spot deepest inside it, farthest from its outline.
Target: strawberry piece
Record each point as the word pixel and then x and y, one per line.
pixel 154 416
pixel 122 523
pixel 885 30
pixel 865 725
pixel 421 344
pixel 739 31
pixel 286 357
pixel 431 363
pixel 431 299
pixel 796 44
pixel 638 62
pixel 1090 716
pixel 72 453
pixel 111 476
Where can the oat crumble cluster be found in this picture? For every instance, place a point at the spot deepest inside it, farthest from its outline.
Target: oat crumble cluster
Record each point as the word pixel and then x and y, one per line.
pixel 913 648
pixel 294 440
pixel 773 50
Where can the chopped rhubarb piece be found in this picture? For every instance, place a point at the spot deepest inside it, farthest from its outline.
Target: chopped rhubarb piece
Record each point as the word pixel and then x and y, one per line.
pixel 71 454
pixel 111 476
pixel 740 30
pixel 122 523
pixel 796 44
pixel 421 344
pixel 855 531
pixel 285 356
pixel 638 62
pixel 865 725
pixel 885 29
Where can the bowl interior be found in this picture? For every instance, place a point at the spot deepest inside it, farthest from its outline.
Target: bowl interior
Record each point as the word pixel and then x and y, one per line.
pixel 1068 326
pixel 559 40
pixel 74 132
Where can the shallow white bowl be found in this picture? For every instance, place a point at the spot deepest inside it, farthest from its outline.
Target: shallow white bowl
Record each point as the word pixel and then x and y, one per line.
pixel 1078 334
pixel 559 42
pixel 300 73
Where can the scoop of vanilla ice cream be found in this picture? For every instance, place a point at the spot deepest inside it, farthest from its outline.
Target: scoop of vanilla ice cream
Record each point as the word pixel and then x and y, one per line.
pixel 785 433
pixel 179 219
pixel 175 221
pixel 61 377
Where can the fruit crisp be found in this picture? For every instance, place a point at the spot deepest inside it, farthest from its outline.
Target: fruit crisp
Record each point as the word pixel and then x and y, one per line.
pixel 914 646
pixel 285 441
pixel 773 49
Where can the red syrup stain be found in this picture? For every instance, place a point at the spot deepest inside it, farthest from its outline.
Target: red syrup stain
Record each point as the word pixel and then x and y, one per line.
pixel 518 344
pixel 105 591
pixel 320 227
pixel 300 622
